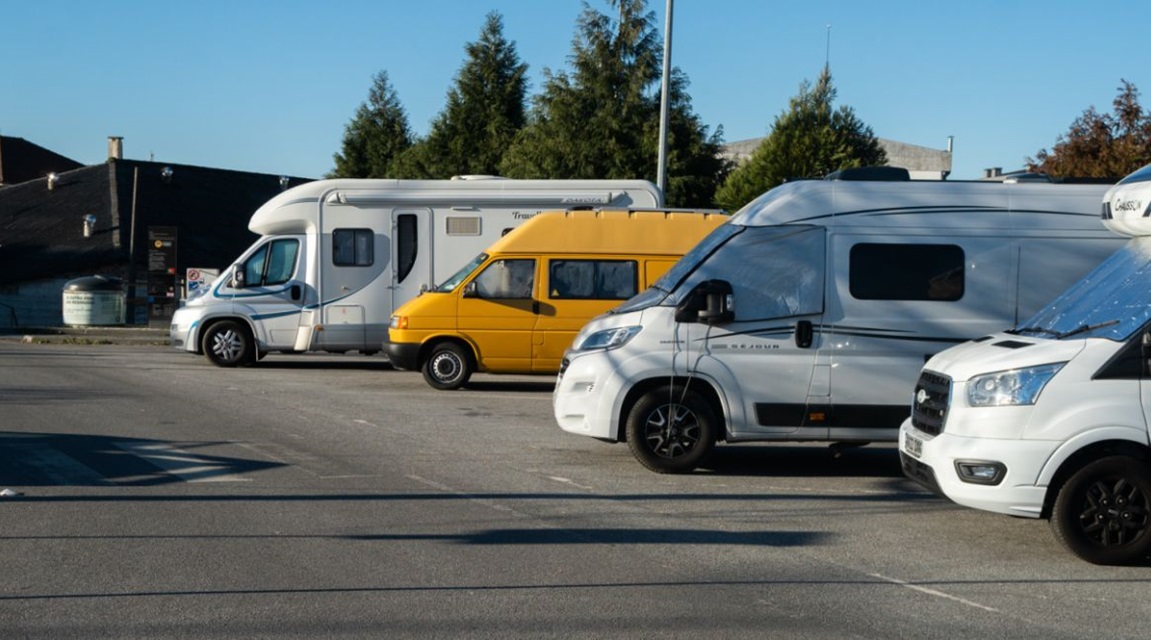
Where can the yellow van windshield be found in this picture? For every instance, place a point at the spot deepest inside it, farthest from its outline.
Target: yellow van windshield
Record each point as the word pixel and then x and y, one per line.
pixel 451 283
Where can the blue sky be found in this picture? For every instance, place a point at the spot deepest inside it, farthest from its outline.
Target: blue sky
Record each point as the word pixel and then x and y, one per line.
pixel 269 86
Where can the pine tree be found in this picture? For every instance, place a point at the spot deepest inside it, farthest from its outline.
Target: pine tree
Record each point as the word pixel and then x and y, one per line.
pixel 602 119
pixel 485 109
pixel 810 139
pixel 376 136
pixel 1108 145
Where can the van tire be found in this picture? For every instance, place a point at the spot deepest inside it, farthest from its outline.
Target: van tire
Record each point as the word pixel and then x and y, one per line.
pixel 1103 512
pixel 447 367
pixel 671 446
pixel 228 344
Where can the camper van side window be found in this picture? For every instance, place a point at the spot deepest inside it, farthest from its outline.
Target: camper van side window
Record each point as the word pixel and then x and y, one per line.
pixel 353 247
pixel 407 243
pixel 907 272
pixel 592 279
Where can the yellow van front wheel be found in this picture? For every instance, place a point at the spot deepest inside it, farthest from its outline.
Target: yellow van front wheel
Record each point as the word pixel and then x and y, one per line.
pixel 448 366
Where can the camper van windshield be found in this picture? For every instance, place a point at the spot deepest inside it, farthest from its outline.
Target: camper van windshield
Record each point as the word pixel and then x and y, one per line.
pixel 1112 302
pixel 451 283
pixel 680 270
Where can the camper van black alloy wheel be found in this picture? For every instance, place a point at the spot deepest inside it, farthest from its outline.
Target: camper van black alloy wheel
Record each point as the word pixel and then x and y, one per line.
pixel 448 366
pixel 1103 512
pixel 670 431
pixel 228 344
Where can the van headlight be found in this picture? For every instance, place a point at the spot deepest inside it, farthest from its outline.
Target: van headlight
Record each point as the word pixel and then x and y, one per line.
pixel 1014 387
pixel 607 339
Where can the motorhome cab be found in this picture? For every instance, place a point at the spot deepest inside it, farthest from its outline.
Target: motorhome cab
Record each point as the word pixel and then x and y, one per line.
pixel 1050 420
pixel 516 307
pixel 809 314
pixel 336 257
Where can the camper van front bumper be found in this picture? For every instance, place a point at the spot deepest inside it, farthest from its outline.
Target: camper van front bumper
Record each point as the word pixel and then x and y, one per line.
pixel 943 463
pixel 583 401
pixel 403 355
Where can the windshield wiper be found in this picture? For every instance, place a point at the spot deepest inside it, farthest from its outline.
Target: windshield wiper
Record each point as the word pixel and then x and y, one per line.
pixel 1050 332
pixel 1085 328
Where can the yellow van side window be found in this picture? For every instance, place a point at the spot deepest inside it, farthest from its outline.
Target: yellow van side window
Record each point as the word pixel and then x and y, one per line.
pixel 592 279
pixel 507 279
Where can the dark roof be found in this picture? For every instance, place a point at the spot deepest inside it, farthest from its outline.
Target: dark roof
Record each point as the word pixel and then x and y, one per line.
pixel 42 229
pixel 21 161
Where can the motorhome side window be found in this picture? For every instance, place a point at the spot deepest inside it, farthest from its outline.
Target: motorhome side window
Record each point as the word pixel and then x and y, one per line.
pixel 507 279
pixel 906 272
pixel 273 263
pixel 353 247
pixel 592 279
pixel 407 244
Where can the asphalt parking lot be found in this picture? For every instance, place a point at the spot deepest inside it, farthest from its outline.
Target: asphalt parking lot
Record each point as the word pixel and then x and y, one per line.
pixel 153 495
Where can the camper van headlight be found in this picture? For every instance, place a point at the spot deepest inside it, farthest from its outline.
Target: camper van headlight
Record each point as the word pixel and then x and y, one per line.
pixel 608 338
pixel 1014 387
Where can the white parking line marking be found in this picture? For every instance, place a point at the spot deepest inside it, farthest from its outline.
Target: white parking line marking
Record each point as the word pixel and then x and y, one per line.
pixel 933 592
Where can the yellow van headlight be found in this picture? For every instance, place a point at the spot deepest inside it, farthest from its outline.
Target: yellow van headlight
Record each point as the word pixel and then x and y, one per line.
pixel 398 322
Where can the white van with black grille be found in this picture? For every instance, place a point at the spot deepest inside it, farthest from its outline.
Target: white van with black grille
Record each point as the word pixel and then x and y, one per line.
pixel 1050 420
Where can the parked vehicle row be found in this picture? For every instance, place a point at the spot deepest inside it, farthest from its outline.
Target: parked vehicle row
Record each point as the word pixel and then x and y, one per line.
pixel 335 258
pixel 806 316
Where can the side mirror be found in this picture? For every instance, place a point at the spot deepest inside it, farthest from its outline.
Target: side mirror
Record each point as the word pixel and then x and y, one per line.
pixel 710 302
pixel 470 290
pixel 238 278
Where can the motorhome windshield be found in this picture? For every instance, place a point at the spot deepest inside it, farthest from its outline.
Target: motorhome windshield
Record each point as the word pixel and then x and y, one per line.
pixel 1112 302
pixel 451 283
pixel 680 270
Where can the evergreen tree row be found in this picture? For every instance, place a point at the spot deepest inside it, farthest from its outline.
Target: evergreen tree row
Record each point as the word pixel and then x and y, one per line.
pixel 600 120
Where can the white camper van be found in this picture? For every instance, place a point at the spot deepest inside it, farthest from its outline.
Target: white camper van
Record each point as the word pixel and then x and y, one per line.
pixel 336 257
pixel 809 314
pixel 1050 420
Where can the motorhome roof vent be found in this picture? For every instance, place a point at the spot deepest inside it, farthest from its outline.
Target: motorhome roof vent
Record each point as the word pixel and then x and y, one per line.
pixel 878 174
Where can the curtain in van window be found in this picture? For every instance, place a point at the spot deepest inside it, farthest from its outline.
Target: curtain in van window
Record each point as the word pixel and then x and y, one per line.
pixel 593 279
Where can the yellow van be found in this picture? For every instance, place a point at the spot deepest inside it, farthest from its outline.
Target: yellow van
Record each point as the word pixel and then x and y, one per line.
pixel 516 307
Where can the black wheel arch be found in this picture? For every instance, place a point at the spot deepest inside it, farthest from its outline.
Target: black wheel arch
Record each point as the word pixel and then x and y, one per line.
pixel 703 387
pixel 1086 456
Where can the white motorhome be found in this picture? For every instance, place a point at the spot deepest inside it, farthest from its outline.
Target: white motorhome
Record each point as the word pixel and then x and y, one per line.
pixel 808 315
pixel 1050 420
pixel 336 257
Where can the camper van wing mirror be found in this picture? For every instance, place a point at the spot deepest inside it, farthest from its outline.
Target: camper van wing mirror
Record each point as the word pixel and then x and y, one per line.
pixel 237 278
pixel 710 302
pixel 470 290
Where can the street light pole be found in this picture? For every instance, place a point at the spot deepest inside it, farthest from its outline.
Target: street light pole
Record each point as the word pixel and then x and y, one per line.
pixel 661 171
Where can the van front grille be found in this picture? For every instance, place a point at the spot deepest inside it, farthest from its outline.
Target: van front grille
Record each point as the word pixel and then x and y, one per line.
pixel 929 410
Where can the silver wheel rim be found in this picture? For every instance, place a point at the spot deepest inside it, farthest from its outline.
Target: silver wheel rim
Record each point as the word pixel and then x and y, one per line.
pixel 446 367
pixel 227 345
